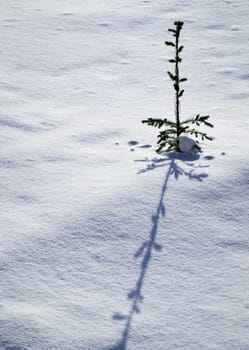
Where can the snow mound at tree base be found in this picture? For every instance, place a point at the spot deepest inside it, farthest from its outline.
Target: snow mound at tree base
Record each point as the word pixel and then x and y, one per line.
pixel 186 144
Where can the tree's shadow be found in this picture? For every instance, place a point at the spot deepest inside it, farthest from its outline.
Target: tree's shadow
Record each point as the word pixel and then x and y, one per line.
pixel 146 249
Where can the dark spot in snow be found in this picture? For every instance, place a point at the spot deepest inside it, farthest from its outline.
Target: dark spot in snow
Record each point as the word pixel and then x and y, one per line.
pixel 118 316
pixel 215 26
pixel 26 199
pixel 145 146
pixel 208 157
pixel 244 76
pixel 239 96
pixel 124 63
pixel 133 143
pixel 104 24
pixel 47 124
pixel 10 20
pixel 158 247
pixel 235 28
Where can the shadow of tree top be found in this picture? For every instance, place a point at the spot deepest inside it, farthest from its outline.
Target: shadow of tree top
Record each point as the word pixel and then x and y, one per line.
pixel 144 252
pixel 187 159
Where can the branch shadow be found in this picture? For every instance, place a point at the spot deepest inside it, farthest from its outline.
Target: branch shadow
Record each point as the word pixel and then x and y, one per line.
pixel 146 249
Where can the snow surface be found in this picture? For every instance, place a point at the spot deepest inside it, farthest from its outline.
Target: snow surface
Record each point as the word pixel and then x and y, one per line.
pixel 186 144
pixel 106 245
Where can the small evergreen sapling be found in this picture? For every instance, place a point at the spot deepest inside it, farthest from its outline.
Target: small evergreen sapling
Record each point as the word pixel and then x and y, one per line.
pixel 171 138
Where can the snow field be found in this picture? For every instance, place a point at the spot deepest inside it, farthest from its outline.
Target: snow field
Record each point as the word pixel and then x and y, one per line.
pixel 92 218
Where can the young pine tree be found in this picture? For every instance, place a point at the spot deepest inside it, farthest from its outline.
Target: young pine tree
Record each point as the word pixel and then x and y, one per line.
pixel 174 136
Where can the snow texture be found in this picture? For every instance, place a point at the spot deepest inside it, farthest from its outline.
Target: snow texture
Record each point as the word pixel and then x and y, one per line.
pixel 106 245
pixel 186 144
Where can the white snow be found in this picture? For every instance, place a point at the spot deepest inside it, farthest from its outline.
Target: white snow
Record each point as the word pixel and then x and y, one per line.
pixel 95 226
pixel 186 144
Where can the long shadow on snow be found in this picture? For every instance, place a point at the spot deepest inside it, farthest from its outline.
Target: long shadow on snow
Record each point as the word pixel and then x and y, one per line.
pixel 147 247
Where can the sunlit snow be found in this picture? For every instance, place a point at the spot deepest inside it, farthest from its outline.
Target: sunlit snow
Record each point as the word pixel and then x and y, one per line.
pixel 105 244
